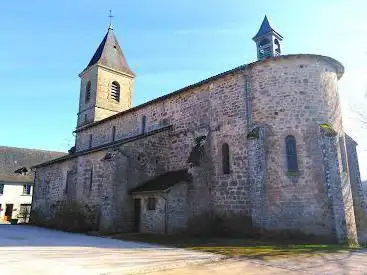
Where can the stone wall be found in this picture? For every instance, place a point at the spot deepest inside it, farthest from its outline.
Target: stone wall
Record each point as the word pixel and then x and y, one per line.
pixel 215 110
pixel 290 95
pixel 153 221
pixel 177 215
pixel 293 96
pixel 359 202
pixel 170 214
pixel 115 171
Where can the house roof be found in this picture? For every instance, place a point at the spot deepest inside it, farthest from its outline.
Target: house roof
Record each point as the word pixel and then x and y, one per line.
pixel 265 28
pixel 12 159
pixel 163 181
pixel 109 54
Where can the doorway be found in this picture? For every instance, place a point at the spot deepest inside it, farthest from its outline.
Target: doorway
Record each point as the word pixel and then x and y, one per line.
pixel 137 210
pixel 8 212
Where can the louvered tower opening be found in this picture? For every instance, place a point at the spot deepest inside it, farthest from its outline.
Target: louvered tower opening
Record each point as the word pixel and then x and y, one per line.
pixel 115 91
pixel 87 92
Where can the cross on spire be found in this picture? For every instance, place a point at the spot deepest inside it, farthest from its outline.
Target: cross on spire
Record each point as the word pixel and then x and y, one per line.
pixel 110 16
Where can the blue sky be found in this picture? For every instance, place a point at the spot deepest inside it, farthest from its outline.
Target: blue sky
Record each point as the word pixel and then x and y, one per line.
pixel 169 44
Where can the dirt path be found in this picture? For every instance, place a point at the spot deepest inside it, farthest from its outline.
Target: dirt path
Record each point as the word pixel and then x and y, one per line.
pixel 38 251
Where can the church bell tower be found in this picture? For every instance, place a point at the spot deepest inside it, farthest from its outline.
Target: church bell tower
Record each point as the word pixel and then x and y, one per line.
pixel 267 41
pixel 106 83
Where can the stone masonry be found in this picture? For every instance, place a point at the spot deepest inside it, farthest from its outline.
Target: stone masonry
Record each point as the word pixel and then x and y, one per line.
pixel 252 109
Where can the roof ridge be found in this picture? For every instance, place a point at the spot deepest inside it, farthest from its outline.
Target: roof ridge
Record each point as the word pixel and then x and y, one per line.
pixel 30 149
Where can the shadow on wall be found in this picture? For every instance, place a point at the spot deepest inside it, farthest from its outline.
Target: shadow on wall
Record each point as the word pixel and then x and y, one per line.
pixel 232 225
pixel 69 216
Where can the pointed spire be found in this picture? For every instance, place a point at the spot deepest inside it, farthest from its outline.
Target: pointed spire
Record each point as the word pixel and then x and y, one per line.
pixel 265 28
pixel 109 53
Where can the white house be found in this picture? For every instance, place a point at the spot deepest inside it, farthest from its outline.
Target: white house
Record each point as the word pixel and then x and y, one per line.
pixel 16 180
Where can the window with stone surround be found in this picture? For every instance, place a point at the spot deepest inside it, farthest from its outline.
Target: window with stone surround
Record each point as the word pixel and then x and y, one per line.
pixel 115 91
pixel 87 92
pixel 225 159
pixel 151 203
pixel 291 152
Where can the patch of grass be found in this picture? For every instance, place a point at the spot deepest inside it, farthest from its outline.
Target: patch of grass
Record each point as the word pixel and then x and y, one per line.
pixel 238 247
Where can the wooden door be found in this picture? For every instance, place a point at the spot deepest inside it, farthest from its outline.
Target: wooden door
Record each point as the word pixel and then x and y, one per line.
pixel 137 210
pixel 8 211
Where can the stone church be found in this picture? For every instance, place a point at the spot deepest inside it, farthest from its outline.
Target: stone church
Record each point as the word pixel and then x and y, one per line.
pixel 263 141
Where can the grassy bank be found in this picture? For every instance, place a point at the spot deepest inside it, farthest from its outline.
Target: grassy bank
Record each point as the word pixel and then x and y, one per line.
pixel 236 247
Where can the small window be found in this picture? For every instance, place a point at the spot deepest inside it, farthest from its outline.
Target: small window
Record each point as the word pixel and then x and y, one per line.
pixel 90 141
pixel 1 188
pixel 113 133
pixel 143 124
pixel 291 151
pixel 85 118
pixel 264 42
pixel 26 189
pixel 225 159
pixel 87 92
pixel 151 205
pixel 115 91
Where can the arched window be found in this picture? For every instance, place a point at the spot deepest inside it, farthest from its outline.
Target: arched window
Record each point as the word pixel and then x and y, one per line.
pixel 225 159
pixel 264 42
pixel 115 91
pixel 87 92
pixel 291 151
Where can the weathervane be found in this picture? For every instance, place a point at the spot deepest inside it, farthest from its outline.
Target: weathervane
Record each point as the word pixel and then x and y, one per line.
pixel 110 16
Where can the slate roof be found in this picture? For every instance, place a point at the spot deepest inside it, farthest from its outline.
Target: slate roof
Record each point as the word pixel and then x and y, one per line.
pixel 109 54
pixel 163 182
pixel 265 28
pixel 12 158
